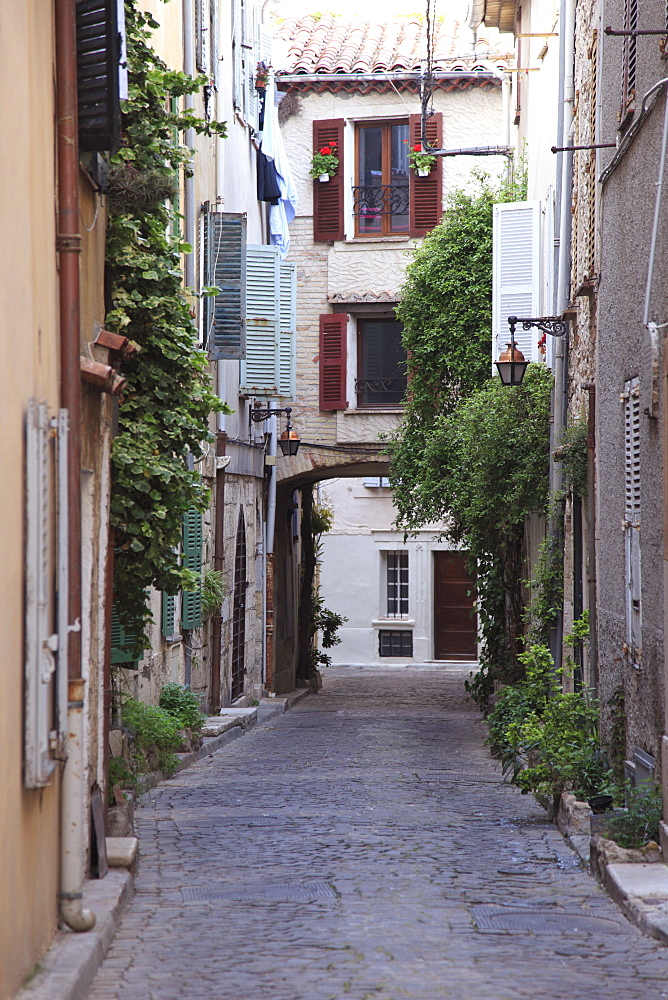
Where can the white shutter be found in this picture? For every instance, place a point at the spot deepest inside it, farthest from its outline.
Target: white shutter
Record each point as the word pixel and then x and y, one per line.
pixel 260 368
pixel 214 57
pixel 632 568
pixel 251 58
pixel 516 274
pixel 237 55
pixel 288 332
pixel 202 35
pixel 40 641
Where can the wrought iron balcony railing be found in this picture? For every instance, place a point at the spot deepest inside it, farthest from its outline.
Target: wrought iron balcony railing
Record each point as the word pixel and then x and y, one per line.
pixel 381 391
pixel 380 199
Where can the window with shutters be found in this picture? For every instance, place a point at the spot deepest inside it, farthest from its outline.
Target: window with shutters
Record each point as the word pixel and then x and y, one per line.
pixel 122 644
pixel 192 540
pixel 629 63
pixel 168 618
pixel 516 275
pixel 100 31
pixel 631 399
pixel 381 191
pixel 224 282
pixel 381 363
pixel 388 197
pixel 269 366
pixel 40 638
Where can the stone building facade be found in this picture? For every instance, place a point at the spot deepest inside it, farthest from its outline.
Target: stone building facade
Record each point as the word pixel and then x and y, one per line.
pixel 355 83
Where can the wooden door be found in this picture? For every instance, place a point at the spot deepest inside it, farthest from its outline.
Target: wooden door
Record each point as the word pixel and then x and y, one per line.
pixel 455 622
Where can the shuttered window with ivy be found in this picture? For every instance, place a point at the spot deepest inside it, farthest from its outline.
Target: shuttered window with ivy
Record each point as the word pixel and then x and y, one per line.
pixel 99 35
pixel 122 644
pixel 191 601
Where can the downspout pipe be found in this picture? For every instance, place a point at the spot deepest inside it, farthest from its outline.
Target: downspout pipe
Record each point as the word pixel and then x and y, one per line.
pixel 567 32
pixel 189 182
pixel 68 242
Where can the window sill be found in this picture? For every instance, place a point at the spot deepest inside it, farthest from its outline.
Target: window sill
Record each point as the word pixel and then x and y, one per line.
pixel 397 411
pixel 375 240
pixel 398 623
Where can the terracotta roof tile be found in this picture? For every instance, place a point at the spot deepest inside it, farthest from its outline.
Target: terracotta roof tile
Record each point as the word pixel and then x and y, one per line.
pixel 329 43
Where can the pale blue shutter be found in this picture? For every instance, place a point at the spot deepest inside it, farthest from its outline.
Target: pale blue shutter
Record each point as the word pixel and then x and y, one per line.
pixel 287 379
pixel 516 275
pixel 225 268
pixel 191 600
pixel 259 374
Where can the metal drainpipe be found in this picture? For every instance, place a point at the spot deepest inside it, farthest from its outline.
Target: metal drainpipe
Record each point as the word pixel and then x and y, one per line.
pixel 189 182
pixel 567 30
pixel 68 243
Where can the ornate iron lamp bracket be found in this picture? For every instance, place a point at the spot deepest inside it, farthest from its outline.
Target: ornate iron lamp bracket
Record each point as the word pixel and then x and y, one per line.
pixel 555 326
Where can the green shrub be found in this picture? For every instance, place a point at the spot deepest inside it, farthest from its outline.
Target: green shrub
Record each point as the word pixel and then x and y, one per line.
pixel 120 773
pixel 155 736
pixel 548 741
pixel 213 592
pixel 639 824
pixel 183 706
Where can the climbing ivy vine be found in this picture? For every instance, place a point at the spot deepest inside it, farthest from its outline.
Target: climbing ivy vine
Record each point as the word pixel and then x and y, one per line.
pixel 164 412
pixel 470 453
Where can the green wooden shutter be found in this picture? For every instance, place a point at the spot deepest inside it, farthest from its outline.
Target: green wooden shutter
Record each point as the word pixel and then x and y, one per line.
pixel 260 369
pixel 225 268
pixel 191 609
pixel 168 613
pixel 121 644
pixel 288 332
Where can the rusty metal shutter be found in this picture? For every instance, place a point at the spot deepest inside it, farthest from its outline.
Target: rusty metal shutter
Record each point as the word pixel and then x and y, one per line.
pixel 328 197
pixel 333 367
pixel 426 193
pixel 98 58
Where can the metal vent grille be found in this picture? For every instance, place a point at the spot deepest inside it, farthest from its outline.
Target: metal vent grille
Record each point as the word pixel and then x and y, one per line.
pixel 289 892
pixel 529 919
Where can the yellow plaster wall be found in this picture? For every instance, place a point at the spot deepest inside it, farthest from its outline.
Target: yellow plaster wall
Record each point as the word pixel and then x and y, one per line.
pixel 28 333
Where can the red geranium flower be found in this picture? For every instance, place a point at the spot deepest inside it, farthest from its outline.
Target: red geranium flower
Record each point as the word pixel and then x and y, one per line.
pixel 417 149
pixel 325 151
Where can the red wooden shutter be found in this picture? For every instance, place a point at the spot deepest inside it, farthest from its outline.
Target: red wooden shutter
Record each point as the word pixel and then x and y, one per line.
pixel 333 344
pixel 426 193
pixel 328 197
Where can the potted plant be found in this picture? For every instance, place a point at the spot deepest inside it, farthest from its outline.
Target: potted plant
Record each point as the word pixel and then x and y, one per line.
pixel 262 75
pixel 420 161
pixel 325 162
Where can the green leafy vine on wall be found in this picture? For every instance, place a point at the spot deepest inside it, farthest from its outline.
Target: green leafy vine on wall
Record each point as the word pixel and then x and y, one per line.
pixel 164 412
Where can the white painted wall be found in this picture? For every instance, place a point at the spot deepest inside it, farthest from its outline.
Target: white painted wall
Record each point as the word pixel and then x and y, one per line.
pixel 352 573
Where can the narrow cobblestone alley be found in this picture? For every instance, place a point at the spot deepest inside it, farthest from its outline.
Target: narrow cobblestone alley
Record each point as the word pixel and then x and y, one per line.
pixel 362 846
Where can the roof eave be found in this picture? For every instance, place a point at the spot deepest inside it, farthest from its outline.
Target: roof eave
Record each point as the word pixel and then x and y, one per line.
pixel 501 14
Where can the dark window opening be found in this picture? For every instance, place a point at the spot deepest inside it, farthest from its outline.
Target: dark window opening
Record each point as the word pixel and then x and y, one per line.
pixel 391 643
pixel 381 363
pixel 381 192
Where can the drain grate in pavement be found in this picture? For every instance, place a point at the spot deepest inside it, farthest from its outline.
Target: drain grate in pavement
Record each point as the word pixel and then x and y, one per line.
pixel 288 892
pixel 506 918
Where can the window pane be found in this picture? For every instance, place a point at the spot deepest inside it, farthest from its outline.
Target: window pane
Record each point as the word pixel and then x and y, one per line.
pixel 382 363
pixel 370 178
pixel 397 584
pixel 399 178
pixel 391 643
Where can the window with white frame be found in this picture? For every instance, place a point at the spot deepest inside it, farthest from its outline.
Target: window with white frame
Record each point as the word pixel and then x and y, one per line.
pixel 632 566
pixel 396 583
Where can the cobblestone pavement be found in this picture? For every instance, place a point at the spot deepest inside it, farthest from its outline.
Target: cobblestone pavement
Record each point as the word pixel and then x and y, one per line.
pixel 362 846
